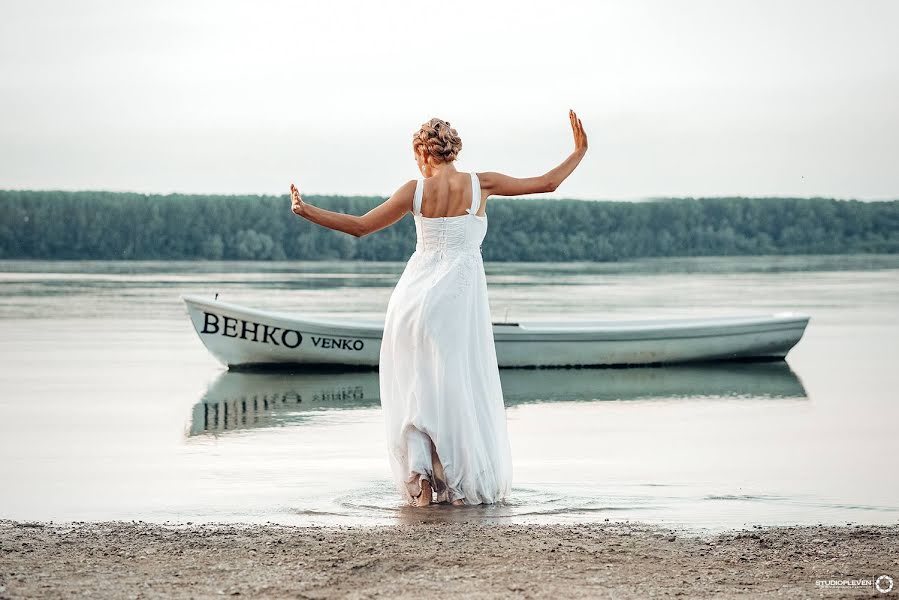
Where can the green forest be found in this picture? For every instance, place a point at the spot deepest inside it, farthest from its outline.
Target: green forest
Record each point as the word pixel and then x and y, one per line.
pixel 128 226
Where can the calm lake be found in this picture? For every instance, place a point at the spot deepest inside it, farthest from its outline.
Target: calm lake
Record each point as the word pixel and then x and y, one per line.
pixel 111 407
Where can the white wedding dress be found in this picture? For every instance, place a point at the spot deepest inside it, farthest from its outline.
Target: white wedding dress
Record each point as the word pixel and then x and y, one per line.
pixel 439 380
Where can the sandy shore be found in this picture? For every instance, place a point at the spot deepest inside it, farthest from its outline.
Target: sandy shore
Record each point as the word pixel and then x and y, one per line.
pixel 453 560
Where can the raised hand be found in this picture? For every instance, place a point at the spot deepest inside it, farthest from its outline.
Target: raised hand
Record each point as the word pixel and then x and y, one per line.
pixel 577 128
pixel 297 204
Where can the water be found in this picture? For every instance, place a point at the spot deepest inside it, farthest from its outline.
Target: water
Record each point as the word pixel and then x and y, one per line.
pixel 111 408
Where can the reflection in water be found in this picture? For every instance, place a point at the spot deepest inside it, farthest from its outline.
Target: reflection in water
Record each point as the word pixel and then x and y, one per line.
pixel 237 400
pixel 749 380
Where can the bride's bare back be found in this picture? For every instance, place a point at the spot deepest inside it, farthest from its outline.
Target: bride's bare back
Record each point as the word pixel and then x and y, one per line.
pixel 448 195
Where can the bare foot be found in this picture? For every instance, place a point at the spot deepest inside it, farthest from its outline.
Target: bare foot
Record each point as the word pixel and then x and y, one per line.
pixel 425 498
pixel 458 502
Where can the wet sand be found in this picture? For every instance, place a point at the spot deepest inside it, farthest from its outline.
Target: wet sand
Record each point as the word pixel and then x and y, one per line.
pixel 456 559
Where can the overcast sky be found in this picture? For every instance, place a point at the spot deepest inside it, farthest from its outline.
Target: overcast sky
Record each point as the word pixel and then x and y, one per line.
pixel 677 98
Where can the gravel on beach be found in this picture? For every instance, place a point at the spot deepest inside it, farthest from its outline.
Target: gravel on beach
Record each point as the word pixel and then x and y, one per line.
pixel 445 559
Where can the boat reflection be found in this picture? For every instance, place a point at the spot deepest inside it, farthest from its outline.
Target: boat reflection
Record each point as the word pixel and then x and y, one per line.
pixel 240 400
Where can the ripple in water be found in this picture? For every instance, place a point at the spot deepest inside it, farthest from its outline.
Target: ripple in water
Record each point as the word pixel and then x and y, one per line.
pixel 379 502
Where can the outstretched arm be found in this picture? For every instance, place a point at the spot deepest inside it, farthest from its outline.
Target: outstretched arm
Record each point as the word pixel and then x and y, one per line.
pixel 385 214
pixel 504 185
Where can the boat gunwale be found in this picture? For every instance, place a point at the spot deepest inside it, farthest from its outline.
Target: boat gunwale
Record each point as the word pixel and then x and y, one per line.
pixel 663 329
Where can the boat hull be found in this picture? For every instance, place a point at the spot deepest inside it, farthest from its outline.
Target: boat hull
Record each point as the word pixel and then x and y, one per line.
pixel 242 337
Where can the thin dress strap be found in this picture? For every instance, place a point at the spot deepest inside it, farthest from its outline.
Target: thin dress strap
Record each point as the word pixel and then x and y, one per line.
pixel 416 200
pixel 475 194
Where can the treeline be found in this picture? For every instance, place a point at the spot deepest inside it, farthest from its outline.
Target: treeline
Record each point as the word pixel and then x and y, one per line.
pixel 106 225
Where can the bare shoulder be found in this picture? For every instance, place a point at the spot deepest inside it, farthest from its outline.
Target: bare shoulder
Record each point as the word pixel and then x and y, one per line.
pixel 406 191
pixel 486 178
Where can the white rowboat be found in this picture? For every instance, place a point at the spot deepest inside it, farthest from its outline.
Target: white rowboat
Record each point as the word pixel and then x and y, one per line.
pixel 243 337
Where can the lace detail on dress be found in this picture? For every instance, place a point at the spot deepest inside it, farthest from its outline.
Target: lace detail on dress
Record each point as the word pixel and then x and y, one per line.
pixel 466 267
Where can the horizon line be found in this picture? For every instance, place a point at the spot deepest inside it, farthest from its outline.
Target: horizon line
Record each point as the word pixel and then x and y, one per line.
pixel 653 198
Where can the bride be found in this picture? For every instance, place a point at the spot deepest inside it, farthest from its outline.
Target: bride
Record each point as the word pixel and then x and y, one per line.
pixel 441 396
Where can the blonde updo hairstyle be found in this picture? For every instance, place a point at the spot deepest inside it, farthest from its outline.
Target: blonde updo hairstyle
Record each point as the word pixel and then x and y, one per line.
pixel 438 141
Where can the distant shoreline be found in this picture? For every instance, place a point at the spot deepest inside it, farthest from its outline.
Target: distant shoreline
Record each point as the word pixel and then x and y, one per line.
pixel 465 559
pixel 122 226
